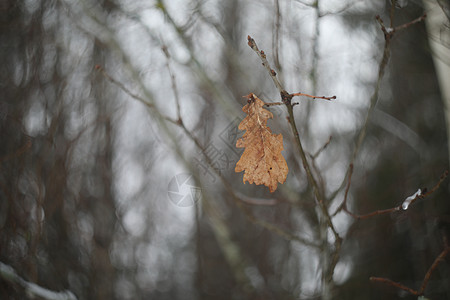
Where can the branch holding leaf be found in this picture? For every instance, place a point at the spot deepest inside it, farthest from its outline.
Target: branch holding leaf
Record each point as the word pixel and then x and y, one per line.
pixel 262 160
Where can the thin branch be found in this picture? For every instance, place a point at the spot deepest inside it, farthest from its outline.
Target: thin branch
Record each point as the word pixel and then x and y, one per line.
pixel 239 201
pixel 8 274
pixel 437 185
pixel 409 24
pixel 314 97
pixel 137 97
pixel 257 201
pixel 445 8
pixel 315 40
pixel 286 98
pixel 276 39
pixel 388 34
pixel 341 10
pixel 318 152
pixel 265 63
pixel 426 278
pixel 343 205
pixel 374 213
pixel 415 197
pixel 122 87
pixel 392 12
pixel 394 284
pixel 278 103
pixel 433 267
pixel 173 81
pixel 281 232
pixel 179 122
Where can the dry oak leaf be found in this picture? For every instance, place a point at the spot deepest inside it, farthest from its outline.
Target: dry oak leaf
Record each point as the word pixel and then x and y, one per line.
pixel 262 160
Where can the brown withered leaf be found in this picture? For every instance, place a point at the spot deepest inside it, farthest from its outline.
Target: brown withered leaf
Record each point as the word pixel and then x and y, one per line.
pixel 262 160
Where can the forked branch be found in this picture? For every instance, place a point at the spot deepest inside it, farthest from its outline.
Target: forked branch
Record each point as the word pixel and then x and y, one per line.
pixel 426 278
pixel 238 199
pixel 420 194
pixel 276 81
pixel 319 197
pixel 388 32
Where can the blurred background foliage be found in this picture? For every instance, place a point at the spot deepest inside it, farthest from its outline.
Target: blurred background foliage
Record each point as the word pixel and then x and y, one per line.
pixel 117 181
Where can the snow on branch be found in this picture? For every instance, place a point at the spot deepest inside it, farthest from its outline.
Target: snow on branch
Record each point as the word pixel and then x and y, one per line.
pixel 410 199
pixel 421 193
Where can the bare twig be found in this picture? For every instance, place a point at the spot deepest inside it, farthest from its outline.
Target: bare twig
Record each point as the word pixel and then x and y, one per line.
pixel 390 31
pixel 394 284
pixel 415 197
pixel 437 185
pixel 374 213
pixel 341 10
pixel 173 80
pixel 343 205
pixel 315 155
pixel 265 63
pixel 314 97
pixel 286 99
pixel 137 97
pixel 433 267
pixel 271 227
pixel 276 39
pixel 278 103
pixel 426 278
pixel 122 87
pixel 257 201
pixel 388 34
pixel 8 274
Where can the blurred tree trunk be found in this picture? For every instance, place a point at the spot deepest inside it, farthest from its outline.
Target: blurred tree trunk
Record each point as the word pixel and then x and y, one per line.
pixel 41 229
pixel 408 127
pixel 438 20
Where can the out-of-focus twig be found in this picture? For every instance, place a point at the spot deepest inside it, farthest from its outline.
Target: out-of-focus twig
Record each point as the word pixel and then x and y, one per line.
pixel 257 201
pixel 271 227
pixel 123 87
pixel 173 81
pixel 276 39
pixel 317 153
pixel 388 32
pixel 278 103
pixel 135 96
pixel 8 274
pixel 21 150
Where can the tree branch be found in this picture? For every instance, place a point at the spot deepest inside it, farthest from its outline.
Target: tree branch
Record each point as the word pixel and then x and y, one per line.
pixel 286 99
pixel 179 122
pixel 426 278
pixel 8 273
pixel 422 193
pixel 388 34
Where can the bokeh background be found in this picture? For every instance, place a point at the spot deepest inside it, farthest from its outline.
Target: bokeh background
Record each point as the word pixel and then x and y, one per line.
pixel 118 124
